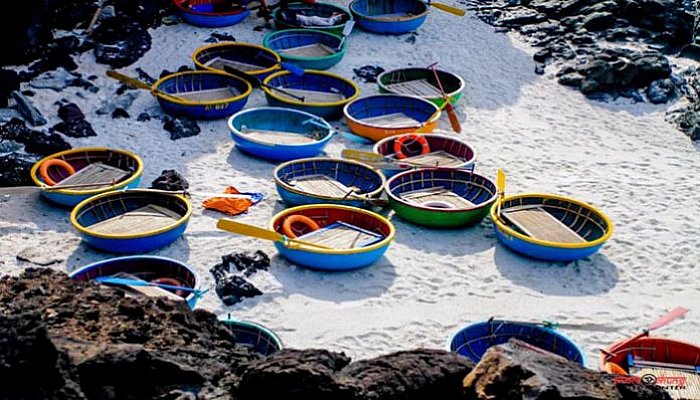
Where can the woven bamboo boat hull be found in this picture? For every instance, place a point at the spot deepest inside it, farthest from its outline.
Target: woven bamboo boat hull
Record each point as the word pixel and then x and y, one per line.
pixel 358 113
pixel 390 17
pixel 284 20
pixel 189 81
pixel 594 227
pixel 242 54
pixel 107 206
pixel 144 267
pixel 205 14
pixel 283 42
pixel 479 191
pixel 455 147
pixel 314 81
pixel 82 157
pixel 369 182
pixel 473 340
pixel 336 260
pixel 252 335
pixel 279 119
pixel 404 81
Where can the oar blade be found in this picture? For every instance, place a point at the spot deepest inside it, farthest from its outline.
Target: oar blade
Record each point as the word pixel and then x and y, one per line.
pixel 347 29
pixel 294 69
pixel 230 225
pixel 448 9
pixel 501 181
pixel 673 315
pixel 454 120
pixel 363 156
pixel 128 80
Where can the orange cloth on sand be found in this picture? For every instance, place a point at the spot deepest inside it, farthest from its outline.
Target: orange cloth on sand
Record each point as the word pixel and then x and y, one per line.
pixel 226 205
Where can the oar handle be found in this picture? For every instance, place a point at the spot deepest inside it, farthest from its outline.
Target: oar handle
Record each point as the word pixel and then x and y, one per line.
pixel 128 80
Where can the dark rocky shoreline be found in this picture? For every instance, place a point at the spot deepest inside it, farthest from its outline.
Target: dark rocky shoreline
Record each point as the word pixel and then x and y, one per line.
pixel 82 341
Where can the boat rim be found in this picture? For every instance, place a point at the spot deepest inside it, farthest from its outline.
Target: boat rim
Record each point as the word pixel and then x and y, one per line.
pixel 311 104
pixel 435 115
pixel 199 65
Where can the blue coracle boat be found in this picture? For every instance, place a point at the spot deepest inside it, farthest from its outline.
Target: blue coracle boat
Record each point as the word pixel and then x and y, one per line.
pixel 329 181
pixel 318 92
pixel 211 13
pixel 131 221
pixel 307 48
pixel 148 268
pixel 392 17
pixel 281 134
pixel 473 340
pixel 551 228
pixel 252 335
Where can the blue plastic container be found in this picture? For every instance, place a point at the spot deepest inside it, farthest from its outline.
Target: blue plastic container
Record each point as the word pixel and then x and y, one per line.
pixel 391 17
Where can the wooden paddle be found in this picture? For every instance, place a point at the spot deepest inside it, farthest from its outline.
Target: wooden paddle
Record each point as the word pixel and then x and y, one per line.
pixel 447 8
pixel 142 85
pixel 230 225
pixel 501 185
pixel 451 114
pixel 376 159
pixel 256 83
pixel 135 282
pixel 33 189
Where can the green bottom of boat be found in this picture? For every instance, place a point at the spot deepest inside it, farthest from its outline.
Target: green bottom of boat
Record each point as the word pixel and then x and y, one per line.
pixel 437 218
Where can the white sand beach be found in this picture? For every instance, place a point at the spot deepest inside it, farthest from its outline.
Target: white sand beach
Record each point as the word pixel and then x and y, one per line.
pixel 621 157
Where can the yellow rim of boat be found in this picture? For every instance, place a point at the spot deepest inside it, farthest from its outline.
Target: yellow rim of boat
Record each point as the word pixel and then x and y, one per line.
pixel 529 239
pixel 435 115
pixel 372 18
pixel 87 231
pixel 312 72
pixel 133 177
pixel 290 188
pixel 201 66
pixel 375 148
pixel 174 99
pixel 380 244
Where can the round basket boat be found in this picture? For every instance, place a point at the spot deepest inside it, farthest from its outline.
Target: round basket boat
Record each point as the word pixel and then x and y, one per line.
pixel 110 169
pixel 281 134
pixel 374 231
pixel 549 227
pixel 211 13
pixel 250 335
pixel 327 180
pixel 131 221
pixel 307 48
pixel 252 59
pixel 393 17
pixel 473 340
pixel 201 94
pixel 147 268
pixel 644 347
pixel 289 18
pixel 421 82
pixel 383 115
pixel 324 94
pixel 441 197
pixel 443 151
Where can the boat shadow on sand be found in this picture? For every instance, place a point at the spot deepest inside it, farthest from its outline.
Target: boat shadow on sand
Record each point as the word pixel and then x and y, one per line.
pixel 590 276
pixel 455 242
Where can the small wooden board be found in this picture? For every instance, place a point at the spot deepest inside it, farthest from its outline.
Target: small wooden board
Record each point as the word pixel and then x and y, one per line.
pixel 341 235
pixel 439 158
pixel 148 218
pixel 94 173
pixel 395 120
pixel 222 93
pixel 416 87
pixel 322 185
pixel 309 50
pixel 539 224
pixel 436 194
pixel 150 291
pixel 311 96
pixel 669 379
pixel 220 62
pixel 277 137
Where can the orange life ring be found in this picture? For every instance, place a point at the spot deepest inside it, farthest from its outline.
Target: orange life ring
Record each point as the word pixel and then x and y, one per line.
pixel 612 368
pixel 54 162
pixel 298 219
pixel 399 144
pixel 171 282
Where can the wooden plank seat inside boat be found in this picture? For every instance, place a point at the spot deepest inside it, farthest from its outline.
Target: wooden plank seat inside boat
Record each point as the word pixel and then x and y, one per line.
pixel 276 137
pixel 221 62
pixel 149 291
pixel 321 185
pixel 439 158
pixel 393 120
pixel 308 50
pixel 415 87
pixel 148 218
pixel 102 175
pixel 537 223
pixel 437 197
pixel 311 96
pixel 341 235
pixel 221 93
